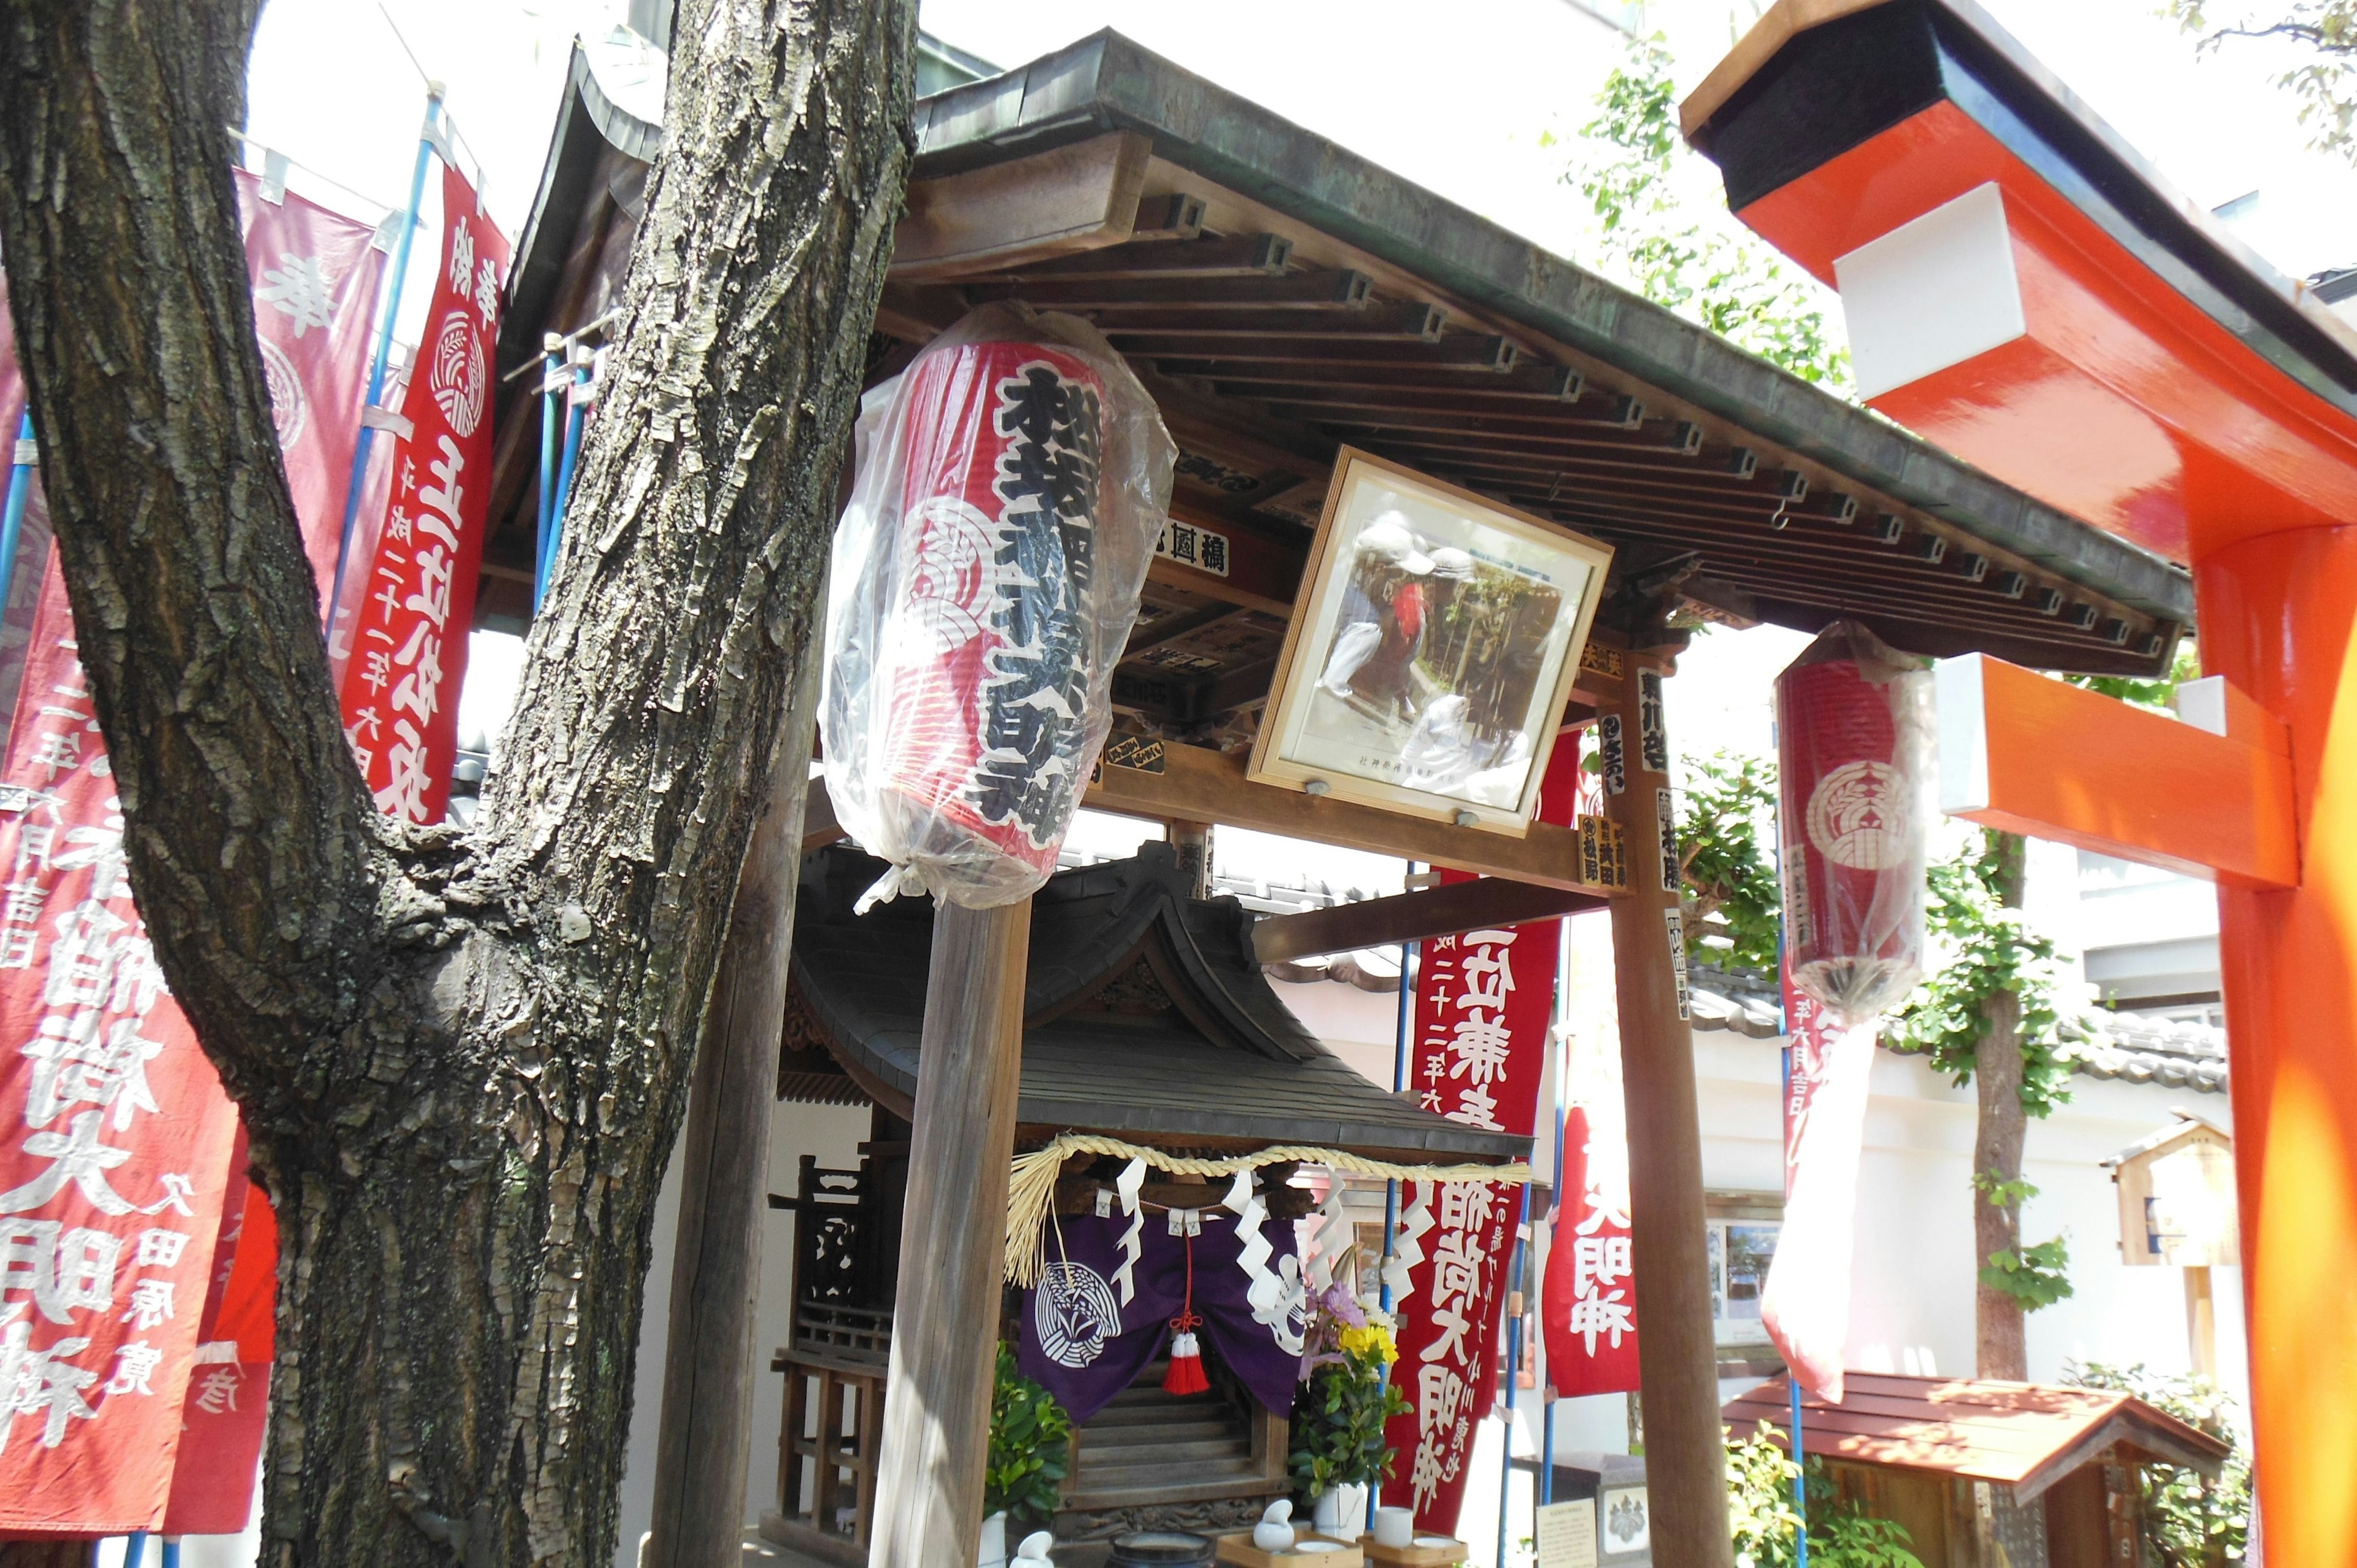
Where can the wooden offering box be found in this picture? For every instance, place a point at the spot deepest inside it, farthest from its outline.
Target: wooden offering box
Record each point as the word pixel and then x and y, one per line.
pixel 1446 1556
pixel 1239 1551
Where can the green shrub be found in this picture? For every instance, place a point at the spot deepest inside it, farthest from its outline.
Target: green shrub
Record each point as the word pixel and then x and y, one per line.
pixel 2187 1520
pixel 1760 1517
pixel 1031 1447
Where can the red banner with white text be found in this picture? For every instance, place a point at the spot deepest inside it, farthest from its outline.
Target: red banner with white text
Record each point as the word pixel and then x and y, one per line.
pixel 1589 1305
pixel 408 647
pixel 116 1152
pixel 1484 1000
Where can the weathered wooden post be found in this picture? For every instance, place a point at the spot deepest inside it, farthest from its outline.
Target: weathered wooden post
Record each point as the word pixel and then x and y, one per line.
pixel 710 1360
pixel 1677 1357
pixel 952 1240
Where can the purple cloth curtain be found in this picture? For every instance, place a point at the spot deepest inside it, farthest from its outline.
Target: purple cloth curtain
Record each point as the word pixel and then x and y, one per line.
pixel 1084 1346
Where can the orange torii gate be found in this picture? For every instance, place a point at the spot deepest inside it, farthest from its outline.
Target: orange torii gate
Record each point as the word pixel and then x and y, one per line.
pixel 2023 290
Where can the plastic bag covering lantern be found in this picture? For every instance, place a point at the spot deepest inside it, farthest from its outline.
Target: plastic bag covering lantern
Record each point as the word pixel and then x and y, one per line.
pixel 1855 737
pixel 1010 485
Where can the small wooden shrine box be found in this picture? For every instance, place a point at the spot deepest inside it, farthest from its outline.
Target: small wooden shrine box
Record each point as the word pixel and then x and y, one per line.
pixel 1985 1474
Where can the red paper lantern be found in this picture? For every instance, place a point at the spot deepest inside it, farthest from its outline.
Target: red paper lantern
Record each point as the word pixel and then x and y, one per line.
pixel 1011 484
pixel 1853 737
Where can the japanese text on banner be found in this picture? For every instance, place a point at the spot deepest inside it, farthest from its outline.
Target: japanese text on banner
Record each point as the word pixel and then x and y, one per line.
pixel 1483 1001
pixel 409 642
pixel 117 1136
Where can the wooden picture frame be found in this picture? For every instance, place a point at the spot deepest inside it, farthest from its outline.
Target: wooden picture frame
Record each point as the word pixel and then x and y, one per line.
pixel 1431 650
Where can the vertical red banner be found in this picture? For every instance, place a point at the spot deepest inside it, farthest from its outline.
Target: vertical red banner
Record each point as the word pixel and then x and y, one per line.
pixel 316 276
pixel 1590 1305
pixel 408 648
pixel 116 1148
pixel 1484 1000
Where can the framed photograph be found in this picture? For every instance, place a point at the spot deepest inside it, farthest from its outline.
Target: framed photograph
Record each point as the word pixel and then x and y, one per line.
pixel 1432 650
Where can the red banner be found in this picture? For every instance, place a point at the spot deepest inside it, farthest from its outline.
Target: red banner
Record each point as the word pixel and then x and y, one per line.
pixel 1804 1305
pixel 112 1088
pixel 1483 1002
pixel 409 643
pixel 111 1186
pixel 316 274
pixel 1589 1306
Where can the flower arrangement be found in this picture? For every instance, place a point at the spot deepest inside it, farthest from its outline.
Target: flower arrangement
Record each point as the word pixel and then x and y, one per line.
pixel 1339 1416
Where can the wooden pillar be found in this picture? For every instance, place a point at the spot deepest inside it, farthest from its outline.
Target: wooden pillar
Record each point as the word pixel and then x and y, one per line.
pixel 2201 1322
pixel 703 1442
pixel 952 1242
pixel 1677 1356
pixel 1192 841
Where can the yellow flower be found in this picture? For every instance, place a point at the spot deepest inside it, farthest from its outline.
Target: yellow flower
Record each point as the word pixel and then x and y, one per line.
pixel 1370 1340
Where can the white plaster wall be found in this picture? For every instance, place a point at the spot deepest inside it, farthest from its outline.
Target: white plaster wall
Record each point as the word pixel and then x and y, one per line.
pixel 833 1133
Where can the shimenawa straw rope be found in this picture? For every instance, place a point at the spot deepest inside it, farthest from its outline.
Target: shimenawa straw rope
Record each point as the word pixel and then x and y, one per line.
pixel 1031 1186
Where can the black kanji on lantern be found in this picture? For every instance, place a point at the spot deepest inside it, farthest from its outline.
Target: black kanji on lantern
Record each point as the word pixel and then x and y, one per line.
pixel 1034 706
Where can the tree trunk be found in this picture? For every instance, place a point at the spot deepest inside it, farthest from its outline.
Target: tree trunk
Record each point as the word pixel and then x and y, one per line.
pixel 462 1056
pixel 1999 1324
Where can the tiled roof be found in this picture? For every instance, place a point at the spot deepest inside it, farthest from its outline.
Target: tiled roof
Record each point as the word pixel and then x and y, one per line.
pixel 2112 1046
pixel 2104 1045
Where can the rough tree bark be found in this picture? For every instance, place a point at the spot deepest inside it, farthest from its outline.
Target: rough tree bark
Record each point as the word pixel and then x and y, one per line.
pixel 1999 1324
pixel 463 1057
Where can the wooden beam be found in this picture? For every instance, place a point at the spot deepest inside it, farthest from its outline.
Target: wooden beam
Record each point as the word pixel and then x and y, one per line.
pixel 1412 916
pixel 711 1363
pixel 1413 321
pixel 1341 290
pixel 1677 1356
pixel 1204 785
pixel 2035 755
pixel 1231 256
pixel 1463 350
pixel 952 1242
pixel 1538 383
pixel 1068 198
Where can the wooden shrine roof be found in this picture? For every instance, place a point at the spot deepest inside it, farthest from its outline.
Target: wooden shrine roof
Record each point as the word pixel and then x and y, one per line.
pixel 1145 1016
pixel 2024 1436
pixel 1281 296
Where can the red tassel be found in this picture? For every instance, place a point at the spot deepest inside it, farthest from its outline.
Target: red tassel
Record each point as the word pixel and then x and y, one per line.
pixel 1186 1374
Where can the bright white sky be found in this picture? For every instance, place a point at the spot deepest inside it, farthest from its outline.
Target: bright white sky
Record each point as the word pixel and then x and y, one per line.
pixel 1459 108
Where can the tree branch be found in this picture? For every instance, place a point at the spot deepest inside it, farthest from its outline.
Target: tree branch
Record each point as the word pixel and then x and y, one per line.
pixel 662 661
pixel 252 846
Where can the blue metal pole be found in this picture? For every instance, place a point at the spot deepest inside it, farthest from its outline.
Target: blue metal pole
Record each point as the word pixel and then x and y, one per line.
pixel 554 538
pixel 1793 1378
pixel 549 425
pixel 135 1545
pixel 1399 1086
pixel 171 1551
pixel 1513 1370
pixel 358 481
pixel 12 518
pixel 1555 1206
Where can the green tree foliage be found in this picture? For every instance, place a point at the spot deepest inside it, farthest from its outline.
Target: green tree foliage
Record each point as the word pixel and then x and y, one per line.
pixel 1031 1447
pixel 1693 266
pixel 2187 1520
pixel 2159 695
pixel 1727 824
pixel 1766 1529
pixel 2326 86
pixel 1991 947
